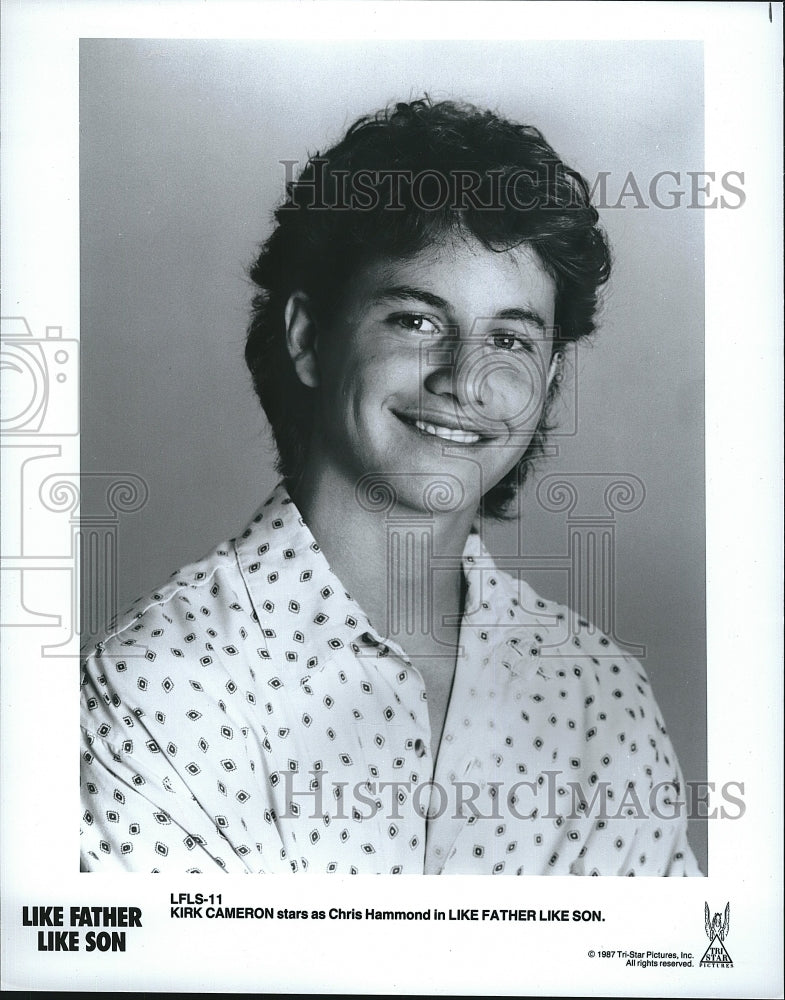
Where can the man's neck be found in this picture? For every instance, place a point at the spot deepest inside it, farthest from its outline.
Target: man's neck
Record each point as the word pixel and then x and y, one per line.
pixel 401 564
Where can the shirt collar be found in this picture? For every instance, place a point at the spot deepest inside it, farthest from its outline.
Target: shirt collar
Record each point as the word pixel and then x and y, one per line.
pixel 307 616
pixel 305 613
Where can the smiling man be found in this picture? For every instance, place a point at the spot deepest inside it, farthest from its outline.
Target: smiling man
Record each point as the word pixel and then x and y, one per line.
pixel 351 685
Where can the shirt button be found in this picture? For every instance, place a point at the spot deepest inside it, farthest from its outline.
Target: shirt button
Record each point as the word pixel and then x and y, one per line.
pixel 419 747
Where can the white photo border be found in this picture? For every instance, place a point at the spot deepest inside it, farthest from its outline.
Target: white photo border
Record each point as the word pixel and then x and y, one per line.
pixel 40 209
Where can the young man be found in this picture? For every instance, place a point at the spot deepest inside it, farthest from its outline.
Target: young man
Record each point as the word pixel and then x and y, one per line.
pixel 352 685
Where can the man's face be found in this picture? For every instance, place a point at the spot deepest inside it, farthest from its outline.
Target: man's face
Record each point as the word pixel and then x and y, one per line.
pixel 435 368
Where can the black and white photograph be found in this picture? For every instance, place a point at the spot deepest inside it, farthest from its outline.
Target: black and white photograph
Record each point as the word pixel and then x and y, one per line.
pixel 379 509
pixel 419 302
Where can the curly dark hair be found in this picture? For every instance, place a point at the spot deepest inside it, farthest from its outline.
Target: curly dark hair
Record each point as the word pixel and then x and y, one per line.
pixel 398 181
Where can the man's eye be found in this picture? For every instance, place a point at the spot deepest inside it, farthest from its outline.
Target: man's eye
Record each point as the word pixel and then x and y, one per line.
pixel 507 341
pixel 417 323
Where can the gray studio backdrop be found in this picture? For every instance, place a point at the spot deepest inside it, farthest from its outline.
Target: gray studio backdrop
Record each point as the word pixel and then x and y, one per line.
pixel 181 143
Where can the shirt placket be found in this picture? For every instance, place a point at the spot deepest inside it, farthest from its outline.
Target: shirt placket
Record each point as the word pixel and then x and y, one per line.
pixel 487 675
pixel 402 765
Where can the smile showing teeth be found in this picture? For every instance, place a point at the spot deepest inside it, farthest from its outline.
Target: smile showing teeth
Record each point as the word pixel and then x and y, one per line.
pixel 447 433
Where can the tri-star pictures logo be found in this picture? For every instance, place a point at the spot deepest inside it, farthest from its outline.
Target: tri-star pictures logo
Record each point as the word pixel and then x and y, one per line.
pixel 717 929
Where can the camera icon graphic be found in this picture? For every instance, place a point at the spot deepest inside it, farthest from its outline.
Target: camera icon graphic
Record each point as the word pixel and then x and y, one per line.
pixel 40 377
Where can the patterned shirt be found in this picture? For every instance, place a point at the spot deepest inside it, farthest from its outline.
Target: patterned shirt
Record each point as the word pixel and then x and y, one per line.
pixel 248 717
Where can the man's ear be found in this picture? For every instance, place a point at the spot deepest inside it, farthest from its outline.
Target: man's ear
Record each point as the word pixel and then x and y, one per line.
pixel 301 338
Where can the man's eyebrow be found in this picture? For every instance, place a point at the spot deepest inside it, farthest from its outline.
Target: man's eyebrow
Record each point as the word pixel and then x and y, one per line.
pixel 522 316
pixel 414 294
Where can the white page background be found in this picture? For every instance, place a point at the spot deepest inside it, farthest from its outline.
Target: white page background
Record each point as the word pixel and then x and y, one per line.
pixel 40 812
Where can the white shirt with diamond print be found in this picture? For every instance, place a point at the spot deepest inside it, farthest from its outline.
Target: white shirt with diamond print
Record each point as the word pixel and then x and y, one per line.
pixel 248 717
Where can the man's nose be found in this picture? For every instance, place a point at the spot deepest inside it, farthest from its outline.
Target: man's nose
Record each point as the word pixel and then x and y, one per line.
pixel 452 371
pixel 488 389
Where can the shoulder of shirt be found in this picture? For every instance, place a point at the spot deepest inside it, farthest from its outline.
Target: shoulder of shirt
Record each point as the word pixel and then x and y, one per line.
pixel 584 641
pixel 184 589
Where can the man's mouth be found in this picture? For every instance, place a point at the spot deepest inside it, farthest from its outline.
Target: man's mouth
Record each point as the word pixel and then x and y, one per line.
pixel 447 433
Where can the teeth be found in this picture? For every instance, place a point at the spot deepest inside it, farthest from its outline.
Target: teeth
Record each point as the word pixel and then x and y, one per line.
pixel 447 433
